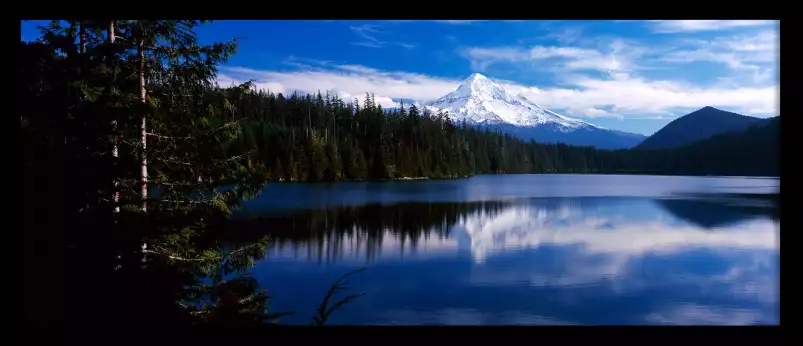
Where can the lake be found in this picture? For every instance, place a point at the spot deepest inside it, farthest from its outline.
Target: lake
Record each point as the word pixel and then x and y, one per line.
pixel 524 249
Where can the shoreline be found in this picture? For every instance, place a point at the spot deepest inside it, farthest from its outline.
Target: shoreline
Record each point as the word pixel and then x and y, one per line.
pixel 757 176
pixel 280 180
pixel 269 180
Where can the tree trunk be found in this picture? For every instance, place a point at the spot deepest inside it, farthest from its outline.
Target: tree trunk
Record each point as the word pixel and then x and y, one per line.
pixel 82 37
pixel 144 173
pixel 115 153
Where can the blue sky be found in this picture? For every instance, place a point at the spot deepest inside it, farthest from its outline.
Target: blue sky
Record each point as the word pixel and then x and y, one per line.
pixel 633 76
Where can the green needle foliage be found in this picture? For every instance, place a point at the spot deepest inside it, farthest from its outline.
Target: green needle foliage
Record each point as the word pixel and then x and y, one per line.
pixel 317 137
pixel 82 96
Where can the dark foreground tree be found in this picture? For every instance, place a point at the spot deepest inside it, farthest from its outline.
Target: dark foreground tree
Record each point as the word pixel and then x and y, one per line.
pixel 160 258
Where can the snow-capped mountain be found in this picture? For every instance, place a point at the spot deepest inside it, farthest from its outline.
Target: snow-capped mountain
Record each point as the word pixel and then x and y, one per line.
pixel 478 100
pixel 481 102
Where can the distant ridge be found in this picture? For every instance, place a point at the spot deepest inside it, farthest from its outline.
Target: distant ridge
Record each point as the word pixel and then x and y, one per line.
pixel 700 124
pixel 755 151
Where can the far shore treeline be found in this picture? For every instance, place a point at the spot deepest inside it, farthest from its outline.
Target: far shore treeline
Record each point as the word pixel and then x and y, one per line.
pixel 321 137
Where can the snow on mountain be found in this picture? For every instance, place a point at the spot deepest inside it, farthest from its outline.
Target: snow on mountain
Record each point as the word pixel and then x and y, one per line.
pixel 480 101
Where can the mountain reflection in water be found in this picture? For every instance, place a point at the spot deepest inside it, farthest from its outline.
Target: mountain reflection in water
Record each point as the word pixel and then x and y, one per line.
pixel 586 260
pixel 337 233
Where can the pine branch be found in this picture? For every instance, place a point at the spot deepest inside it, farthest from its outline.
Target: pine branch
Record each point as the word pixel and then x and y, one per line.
pixel 226 125
pixel 171 160
pixel 162 252
pixel 237 157
pixel 174 257
pixel 167 137
pixel 166 183
pixel 241 250
pixel 324 311
pixel 129 187
pixel 211 162
pixel 177 201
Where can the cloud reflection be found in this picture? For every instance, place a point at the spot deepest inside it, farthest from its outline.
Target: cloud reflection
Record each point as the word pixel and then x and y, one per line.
pixel 618 227
pixel 692 314
pixel 533 225
pixel 549 261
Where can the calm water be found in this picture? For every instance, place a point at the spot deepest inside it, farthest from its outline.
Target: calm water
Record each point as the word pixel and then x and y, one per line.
pixel 525 249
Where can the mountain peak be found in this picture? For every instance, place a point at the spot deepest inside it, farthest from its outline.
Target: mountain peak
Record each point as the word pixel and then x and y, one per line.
pixel 479 100
pixel 480 88
pixel 477 82
pixel 711 111
pixel 476 76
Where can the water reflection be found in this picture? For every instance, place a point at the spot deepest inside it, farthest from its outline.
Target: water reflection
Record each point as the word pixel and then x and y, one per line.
pixel 289 197
pixel 603 225
pixel 714 211
pixel 593 260
pixel 341 233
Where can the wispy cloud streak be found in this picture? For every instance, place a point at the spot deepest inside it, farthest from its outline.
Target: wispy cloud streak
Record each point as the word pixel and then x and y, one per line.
pixel 368 34
pixel 679 26
pixel 583 96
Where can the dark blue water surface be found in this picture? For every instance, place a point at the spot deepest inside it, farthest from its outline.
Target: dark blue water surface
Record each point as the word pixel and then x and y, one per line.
pixel 525 249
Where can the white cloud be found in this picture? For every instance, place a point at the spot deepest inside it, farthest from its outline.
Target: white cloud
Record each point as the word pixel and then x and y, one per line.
pixel 368 33
pixel 457 22
pixel 685 56
pixel 469 21
pixel 618 94
pixel 616 58
pixel 756 74
pixel 565 35
pixel 481 58
pixel 570 58
pixel 758 47
pixel 751 57
pixel 595 113
pixel 678 26
pixel 348 80
pixel 765 41
pixel 750 88
pixel 539 52
pixel 640 97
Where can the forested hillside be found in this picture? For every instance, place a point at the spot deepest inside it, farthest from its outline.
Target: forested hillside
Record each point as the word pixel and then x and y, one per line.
pixel 698 125
pixel 312 138
pixel 754 151
pixel 320 137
